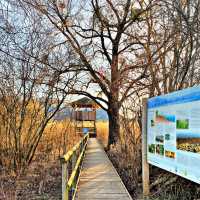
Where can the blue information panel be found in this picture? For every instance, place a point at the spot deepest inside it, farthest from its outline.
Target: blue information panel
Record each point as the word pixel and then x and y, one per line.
pixel 173 132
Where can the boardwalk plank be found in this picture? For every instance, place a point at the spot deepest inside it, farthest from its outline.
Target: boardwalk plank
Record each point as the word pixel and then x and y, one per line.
pixel 98 178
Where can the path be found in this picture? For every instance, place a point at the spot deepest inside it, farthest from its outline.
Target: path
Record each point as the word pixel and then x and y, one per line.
pixel 98 178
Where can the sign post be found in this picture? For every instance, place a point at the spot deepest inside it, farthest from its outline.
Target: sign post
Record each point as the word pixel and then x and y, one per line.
pixel 145 165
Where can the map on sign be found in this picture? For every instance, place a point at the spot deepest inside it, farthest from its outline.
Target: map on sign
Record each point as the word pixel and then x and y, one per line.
pixel 173 132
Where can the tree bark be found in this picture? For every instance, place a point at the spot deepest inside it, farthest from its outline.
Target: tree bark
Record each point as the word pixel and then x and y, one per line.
pixel 114 126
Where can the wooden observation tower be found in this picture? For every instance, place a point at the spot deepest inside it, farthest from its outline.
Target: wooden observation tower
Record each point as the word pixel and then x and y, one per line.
pixel 84 115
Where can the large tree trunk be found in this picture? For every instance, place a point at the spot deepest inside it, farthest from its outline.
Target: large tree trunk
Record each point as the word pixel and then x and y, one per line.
pixel 114 126
pixel 113 107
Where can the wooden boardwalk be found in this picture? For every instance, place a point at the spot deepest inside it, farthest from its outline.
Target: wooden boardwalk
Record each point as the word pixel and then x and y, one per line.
pixel 98 178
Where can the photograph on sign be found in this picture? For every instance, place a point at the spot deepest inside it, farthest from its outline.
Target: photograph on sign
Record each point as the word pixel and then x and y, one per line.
pixel 173 132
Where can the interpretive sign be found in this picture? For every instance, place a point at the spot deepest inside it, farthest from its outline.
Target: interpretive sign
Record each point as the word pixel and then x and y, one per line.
pixel 173 132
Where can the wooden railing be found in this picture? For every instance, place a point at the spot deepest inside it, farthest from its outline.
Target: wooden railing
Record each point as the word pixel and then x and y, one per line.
pixel 71 165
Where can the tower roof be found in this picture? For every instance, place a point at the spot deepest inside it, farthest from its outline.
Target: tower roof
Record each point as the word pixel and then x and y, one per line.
pixel 84 103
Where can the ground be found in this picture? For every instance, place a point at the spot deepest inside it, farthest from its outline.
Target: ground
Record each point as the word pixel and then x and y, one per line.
pixel 41 181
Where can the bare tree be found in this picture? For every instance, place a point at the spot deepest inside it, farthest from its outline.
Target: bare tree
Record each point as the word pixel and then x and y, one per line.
pixel 177 64
pixel 104 35
pixel 125 47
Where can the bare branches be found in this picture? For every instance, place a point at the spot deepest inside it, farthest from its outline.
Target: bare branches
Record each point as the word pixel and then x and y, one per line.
pixel 29 97
pixel 149 46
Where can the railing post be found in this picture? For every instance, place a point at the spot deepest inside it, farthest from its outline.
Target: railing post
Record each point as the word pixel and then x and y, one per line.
pixel 74 159
pixel 81 146
pixel 145 165
pixel 64 179
pixel 71 165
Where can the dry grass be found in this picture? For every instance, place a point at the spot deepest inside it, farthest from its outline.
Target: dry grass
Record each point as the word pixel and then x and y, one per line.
pixel 167 186
pixel 42 179
pixel 58 138
pixel 102 131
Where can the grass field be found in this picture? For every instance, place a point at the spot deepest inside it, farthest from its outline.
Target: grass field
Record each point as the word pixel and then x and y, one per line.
pixel 42 179
pixel 102 131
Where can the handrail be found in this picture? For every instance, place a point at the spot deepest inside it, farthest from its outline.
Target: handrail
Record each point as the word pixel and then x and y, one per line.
pixel 71 164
